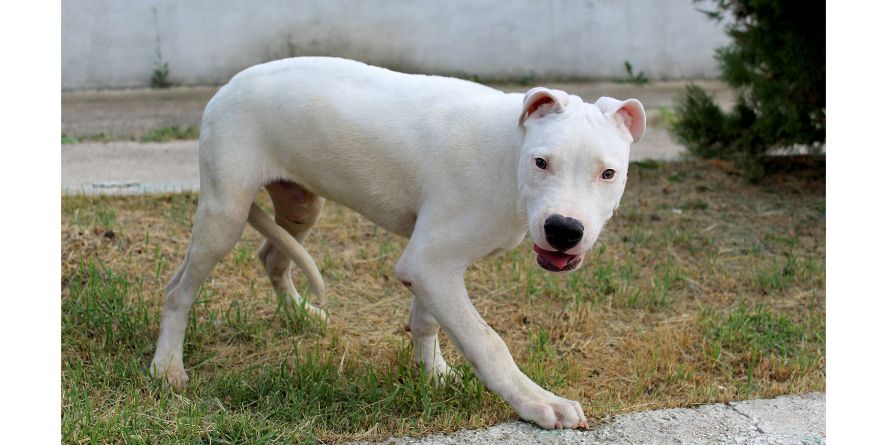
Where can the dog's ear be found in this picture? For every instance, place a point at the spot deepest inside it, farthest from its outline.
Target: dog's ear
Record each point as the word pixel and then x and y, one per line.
pixel 628 115
pixel 540 101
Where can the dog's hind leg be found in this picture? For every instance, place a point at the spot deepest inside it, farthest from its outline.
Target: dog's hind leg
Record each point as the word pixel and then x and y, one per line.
pixel 425 343
pixel 221 216
pixel 296 210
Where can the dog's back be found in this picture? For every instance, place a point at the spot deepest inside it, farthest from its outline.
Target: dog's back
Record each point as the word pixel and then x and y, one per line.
pixel 354 133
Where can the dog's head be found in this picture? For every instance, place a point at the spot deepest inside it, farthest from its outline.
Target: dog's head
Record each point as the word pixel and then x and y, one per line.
pixel 572 170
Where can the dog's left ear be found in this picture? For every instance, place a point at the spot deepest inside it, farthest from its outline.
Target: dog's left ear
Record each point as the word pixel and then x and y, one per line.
pixel 628 115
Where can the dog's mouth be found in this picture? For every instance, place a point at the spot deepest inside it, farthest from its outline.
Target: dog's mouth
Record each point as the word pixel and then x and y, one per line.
pixel 556 261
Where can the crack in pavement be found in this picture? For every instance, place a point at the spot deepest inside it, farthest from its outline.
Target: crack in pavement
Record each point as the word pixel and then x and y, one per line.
pixel 754 422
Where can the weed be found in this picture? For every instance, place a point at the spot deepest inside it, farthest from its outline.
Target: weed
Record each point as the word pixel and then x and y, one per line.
pixel 243 254
pixel 296 316
pixel 106 216
pixel 182 209
pixel 327 264
pixel 603 279
pixel 163 134
pixel 98 137
pixel 99 304
pixel 659 295
pixel 532 290
pixel 637 79
pixel 695 204
pixel 160 74
pixel 239 320
pixel 542 364
pixel 166 134
pixel 755 345
pixel 99 216
pixel 746 335
pixel 778 277
pixel 677 177
pixel 160 263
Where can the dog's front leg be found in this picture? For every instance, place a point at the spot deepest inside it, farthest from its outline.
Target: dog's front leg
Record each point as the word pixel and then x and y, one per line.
pixel 439 286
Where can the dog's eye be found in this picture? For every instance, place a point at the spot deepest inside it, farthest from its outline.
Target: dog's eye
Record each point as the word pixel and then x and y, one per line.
pixel 608 173
pixel 541 163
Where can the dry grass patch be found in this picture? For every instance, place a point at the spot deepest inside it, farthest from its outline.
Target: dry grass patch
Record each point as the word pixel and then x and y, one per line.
pixel 703 288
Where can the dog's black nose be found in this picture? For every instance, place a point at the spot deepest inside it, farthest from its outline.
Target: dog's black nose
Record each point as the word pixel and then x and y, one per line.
pixel 563 232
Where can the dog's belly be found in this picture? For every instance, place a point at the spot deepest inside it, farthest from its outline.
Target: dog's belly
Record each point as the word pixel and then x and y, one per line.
pixel 393 216
pixel 401 223
pixel 387 198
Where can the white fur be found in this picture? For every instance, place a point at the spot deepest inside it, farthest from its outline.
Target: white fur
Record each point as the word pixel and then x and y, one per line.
pixel 448 163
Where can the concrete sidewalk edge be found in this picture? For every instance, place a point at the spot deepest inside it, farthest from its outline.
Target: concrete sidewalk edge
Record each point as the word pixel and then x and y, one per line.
pixel 788 420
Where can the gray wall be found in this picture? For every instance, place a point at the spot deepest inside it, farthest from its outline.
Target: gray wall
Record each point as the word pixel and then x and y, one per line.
pixel 113 43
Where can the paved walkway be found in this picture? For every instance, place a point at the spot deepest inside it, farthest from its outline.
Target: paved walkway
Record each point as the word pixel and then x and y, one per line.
pixel 122 166
pixel 788 420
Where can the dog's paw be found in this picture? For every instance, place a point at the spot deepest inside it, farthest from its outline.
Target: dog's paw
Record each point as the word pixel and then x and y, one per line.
pixel 172 375
pixel 442 374
pixel 552 412
pixel 437 370
pixel 316 312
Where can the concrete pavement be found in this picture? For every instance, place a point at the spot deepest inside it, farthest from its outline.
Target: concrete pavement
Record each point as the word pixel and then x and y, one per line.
pixel 788 420
pixel 124 167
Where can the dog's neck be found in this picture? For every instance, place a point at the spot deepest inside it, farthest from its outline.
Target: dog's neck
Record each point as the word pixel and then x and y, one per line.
pixel 502 150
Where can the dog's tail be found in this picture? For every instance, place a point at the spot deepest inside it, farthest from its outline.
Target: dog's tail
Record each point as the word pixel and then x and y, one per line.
pixel 281 239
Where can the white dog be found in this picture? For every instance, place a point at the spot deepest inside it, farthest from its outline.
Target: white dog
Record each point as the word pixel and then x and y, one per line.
pixel 459 168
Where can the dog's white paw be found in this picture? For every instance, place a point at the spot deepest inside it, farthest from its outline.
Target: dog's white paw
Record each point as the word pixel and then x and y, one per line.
pixel 437 370
pixel 173 375
pixel 314 311
pixel 442 374
pixel 552 412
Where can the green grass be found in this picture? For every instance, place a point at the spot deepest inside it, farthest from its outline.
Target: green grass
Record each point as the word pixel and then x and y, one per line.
pixel 756 331
pixel 543 364
pixel 162 134
pixel 720 301
pixel 757 345
pixel 102 216
pixel 108 330
pixel 172 133
pixel 99 137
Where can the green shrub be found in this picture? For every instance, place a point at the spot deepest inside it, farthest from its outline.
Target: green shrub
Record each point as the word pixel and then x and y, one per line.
pixel 776 64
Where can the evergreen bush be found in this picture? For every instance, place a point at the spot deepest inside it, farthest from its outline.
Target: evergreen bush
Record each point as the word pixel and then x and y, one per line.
pixel 776 64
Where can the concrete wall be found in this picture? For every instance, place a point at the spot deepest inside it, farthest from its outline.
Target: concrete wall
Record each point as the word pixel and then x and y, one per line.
pixel 113 43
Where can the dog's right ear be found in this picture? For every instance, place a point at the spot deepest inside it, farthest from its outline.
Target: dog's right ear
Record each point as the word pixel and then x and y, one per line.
pixel 539 102
pixel 628 115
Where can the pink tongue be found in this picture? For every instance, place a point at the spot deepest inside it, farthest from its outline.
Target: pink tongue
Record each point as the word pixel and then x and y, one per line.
pixel 558 259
